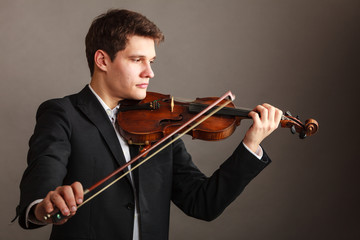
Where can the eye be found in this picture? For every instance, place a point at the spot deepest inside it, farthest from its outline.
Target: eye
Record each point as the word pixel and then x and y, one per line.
pixel 136 59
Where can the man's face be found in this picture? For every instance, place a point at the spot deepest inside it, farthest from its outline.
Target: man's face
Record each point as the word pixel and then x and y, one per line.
pixel 128 75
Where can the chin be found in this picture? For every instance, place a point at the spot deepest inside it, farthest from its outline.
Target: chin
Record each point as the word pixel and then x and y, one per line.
pixel 139 95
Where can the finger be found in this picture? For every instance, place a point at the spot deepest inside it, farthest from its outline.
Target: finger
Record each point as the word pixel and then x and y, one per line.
pixel 78 192
pixel 275 114
pixel 271 111
pixel 46 204
pixel 278 115
pixel 69 197
pixel 59 202
pixel 263 112
pixel 255 117
pixel 43 209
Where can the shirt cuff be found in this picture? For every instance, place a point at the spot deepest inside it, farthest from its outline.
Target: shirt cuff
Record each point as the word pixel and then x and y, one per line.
pixel 27 219
pixel 259 152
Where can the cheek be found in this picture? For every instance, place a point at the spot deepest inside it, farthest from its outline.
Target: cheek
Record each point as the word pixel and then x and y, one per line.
pixel 125 75
pixel 127 71
pixel 121 76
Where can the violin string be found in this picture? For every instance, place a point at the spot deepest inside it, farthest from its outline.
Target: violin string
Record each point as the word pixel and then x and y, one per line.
pixel 184 100
pixel 156 152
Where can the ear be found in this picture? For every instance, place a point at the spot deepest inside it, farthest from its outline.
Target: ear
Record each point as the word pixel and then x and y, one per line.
pixel 100 59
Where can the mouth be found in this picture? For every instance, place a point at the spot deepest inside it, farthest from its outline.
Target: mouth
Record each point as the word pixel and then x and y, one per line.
pixel 142 85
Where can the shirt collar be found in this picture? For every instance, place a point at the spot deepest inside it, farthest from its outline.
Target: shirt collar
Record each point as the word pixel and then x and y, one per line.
pixel 110 112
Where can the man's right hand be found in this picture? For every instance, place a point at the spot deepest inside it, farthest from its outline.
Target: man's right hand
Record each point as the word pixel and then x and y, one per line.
pixel 64 199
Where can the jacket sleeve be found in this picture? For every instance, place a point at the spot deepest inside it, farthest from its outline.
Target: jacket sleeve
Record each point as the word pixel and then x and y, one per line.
pixel 47 157
pixel 206 197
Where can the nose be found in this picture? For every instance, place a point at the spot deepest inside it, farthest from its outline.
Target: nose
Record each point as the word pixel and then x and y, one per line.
pixel 147 72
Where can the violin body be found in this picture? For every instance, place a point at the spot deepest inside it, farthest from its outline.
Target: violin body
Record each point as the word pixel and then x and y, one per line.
pixel 144 126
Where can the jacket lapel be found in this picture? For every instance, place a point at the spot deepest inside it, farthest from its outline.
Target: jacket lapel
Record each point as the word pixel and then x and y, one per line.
pixel 91 107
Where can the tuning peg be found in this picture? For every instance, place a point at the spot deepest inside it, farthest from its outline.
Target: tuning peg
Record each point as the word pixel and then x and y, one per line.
pixel 292 129
pixel 287 113
pixel 302 135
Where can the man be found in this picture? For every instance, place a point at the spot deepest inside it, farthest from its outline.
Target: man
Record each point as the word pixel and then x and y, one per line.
pixel 75 144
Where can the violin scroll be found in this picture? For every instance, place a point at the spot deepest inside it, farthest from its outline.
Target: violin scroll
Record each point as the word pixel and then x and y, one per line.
pixel 310 127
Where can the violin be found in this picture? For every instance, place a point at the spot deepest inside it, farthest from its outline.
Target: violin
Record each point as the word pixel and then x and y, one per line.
pixel 145 122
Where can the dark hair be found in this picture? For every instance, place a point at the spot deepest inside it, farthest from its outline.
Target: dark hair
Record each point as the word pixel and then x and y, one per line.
pixel 110 31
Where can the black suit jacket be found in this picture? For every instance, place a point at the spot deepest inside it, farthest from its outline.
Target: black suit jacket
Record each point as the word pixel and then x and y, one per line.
pixel 74 140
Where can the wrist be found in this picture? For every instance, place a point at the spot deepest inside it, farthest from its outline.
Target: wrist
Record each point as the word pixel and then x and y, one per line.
pixel 252 145
pixel 32 217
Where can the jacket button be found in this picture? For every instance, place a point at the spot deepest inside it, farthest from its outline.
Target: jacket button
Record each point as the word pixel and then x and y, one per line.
pixel 130 206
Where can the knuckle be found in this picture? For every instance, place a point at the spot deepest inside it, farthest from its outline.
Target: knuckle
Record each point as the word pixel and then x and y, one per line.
pixel 271 109
pixel 46 202
pixel 50 193
pixel 266 104
pixel 76 186
pixel 55 194
pixel 65 190
pixel 54 197
pixel 259 107
pixel 76 183
pixel 262 110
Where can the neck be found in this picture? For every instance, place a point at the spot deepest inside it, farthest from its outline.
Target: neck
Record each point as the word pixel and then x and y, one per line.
pixel 237 112
pixel 111 102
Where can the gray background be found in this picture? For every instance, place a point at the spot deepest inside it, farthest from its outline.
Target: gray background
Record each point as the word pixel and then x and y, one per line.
pixel 300 55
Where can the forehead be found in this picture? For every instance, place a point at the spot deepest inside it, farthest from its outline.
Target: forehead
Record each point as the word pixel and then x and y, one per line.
pixel 138 45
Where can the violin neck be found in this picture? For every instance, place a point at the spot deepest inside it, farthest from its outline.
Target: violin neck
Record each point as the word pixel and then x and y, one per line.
pixel 227 111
